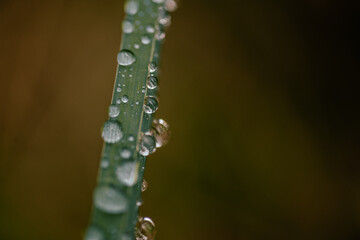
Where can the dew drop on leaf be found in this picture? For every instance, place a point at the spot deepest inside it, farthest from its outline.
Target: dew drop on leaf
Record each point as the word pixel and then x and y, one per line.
pixel 151 105
pixel 125 58
pixel 110 200
pixel 112 132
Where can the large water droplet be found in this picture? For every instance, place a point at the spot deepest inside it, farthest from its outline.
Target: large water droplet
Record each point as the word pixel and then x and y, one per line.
pixel 125 58
pixel 145 39
pixel 131 7
pixel 114 111
pixel 152 67
pixel 109 200
pixel 152 82
pixel 94 233
pixel 151 105
pixel 144 185
pixel 128 27
pixel 112 131
pixel 125 98
pixel 145 229
pixel 147 145
pixel 127 173
pixel 160 130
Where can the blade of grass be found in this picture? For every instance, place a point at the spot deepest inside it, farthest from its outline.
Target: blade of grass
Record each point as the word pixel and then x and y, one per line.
pixel 115 210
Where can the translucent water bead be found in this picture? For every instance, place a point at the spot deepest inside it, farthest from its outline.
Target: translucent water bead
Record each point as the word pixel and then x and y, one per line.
pixel 145 229
pixel 110 200
pixel 151 105
pixel 112 131
pixel 127 173
pixel 160 130
pixel 125 58
pixel 147 145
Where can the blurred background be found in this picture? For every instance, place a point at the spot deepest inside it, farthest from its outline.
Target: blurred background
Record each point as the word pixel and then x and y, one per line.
pixel 262 101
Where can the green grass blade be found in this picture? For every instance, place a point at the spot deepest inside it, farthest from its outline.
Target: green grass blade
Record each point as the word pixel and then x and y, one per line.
pixel 115 210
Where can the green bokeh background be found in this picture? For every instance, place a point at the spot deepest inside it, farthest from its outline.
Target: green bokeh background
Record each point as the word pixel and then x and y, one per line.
pixel 260 96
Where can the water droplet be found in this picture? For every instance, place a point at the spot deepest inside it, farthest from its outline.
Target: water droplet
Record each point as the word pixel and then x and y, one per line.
pixel 143 91
pixel 160 130
pixel 158 1
pixel 152 67
pixel 136 46
pixel 160 35
pixel 165 20
pixel 150 29
pixel 109 200
pixel 147 145
pixel 145 39
pixel 112 132
pixel 151 105
pixel 118 89
pixel 139 203
pixel 144 185
pixel 114 111
pixel 131 138
pixel 145 229
pixel 131 7
pixel 128 27
pixel 94 233
pixel 124 237
pixel 127 173
pixel 125 58
pixel 125 98
pixel 105 163
pixel 137 102
pixel 125 153
pixel 170 5
pixel 118 101
pixel 152 82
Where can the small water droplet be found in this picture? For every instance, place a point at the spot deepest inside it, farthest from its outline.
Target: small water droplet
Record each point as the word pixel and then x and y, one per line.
pixel 94 233
pixel 105 163
pixel 152 82
pixel 112 132
pixel 125 98
pixel 160 130
pixel 127 173
pixel 124 237
pixel 152 67
pixel 158 1
pixel 114 111
pixel 145 229
pixel 125 58
pixel 109 200
pixel 143 91
pixel 136 46
pixel 131 138
pixel 150 29
pixel 137 102
pixel 131 7
pixel 128 27
pixel 160 35
pixel 165 20
pixel 118 89
pixel 118 101
pixel 139 203
pixel 170 5
pixel 151 105
pixel 147 145
pixel 145 39
pixel 125 153
pixel 144 185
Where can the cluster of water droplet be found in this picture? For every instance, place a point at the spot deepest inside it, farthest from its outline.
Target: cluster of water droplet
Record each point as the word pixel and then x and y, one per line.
pixel 109 198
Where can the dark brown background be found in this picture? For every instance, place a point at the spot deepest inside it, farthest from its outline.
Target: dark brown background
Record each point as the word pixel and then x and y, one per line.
pixel 260 95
